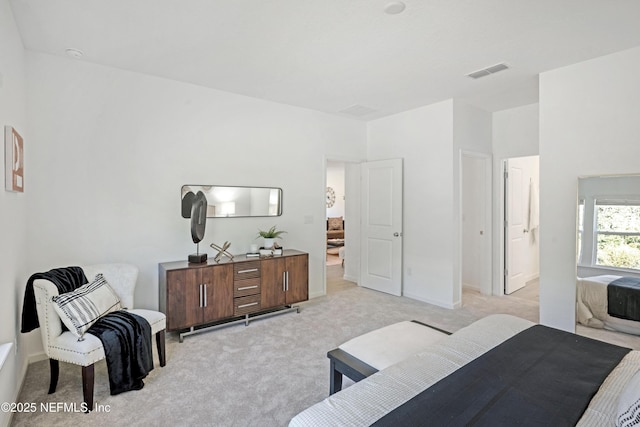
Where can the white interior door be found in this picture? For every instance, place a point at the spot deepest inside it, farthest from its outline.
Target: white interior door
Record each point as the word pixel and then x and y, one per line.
pixel 381 231
pixel 515 227
pixel 476 181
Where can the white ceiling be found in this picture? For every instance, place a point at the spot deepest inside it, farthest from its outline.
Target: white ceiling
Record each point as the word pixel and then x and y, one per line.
pixel 330 55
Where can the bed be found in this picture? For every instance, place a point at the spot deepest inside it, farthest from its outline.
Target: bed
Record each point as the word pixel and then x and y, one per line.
pixel 382 398
pixel 592 308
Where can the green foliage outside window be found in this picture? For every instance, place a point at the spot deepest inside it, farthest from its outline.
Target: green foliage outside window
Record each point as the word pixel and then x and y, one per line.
pixel 618 234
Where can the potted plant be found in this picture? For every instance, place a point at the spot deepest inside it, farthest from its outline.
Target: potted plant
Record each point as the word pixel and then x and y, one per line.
pixel 270 236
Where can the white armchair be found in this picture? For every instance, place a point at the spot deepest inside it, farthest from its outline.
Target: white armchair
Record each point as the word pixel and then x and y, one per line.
pixel 65 347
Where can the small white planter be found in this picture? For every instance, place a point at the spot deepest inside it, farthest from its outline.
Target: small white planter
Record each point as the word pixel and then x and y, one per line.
pixel 268 242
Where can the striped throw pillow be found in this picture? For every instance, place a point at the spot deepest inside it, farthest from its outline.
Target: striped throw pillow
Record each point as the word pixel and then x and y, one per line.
pixel 83 307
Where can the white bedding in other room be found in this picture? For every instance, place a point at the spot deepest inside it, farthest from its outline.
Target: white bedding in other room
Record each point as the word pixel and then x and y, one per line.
pixel 592 306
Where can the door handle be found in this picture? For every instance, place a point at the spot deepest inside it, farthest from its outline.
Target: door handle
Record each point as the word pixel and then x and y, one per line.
pixel 396 234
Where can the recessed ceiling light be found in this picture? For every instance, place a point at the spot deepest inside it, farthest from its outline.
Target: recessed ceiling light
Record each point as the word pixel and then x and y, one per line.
pixel 394 8
pixel 74 53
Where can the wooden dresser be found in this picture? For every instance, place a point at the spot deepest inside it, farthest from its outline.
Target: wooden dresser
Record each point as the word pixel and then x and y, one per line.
pixel 198 297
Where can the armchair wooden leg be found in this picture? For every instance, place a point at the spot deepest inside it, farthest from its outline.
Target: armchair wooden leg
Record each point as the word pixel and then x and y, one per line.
pixel 161 347
pixel 87 385
pixel 55 371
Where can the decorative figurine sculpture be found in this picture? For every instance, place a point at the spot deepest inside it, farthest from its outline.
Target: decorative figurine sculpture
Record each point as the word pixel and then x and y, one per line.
pixel 198 223
pixel 222 250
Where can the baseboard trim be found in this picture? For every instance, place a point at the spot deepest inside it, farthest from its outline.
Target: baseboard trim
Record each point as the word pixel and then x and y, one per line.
pixel 430 301
pixel 469 286
pixel 316 295
pixel 36 357
pixel 532 277
pixel 350 278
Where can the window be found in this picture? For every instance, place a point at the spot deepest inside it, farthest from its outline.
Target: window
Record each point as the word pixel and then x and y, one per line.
pixel 617 234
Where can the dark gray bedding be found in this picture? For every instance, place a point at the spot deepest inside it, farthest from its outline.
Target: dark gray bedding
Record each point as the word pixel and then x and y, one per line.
pixel 623 298
pixel 539 377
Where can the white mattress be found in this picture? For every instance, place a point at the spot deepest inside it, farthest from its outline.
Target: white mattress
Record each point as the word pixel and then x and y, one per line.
pixel 592 306
pixel 366 401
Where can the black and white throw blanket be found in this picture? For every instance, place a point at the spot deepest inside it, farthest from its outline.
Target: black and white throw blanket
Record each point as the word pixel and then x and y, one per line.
pixel 623 298
pixel 126 337
pixel 539 377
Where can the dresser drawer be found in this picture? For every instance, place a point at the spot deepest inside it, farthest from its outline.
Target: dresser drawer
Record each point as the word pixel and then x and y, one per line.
pixel 242 288
pixel 245 305
pixel 246 270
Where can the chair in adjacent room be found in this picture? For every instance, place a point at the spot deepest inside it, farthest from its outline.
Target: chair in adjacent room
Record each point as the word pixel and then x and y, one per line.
pixel 64 346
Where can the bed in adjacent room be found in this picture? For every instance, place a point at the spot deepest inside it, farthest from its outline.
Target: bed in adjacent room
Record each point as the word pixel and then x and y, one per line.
pixel 500 370
pixel 593 307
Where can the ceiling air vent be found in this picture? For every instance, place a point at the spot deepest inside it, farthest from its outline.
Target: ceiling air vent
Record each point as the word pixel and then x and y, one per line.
pixel 487 71
pixel 358 110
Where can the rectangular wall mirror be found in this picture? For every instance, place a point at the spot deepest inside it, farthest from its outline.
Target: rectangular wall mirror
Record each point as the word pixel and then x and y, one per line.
pixel 608 253
pixel 234 202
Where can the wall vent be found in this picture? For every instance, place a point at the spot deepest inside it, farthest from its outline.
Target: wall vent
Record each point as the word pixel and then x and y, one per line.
pixel 489 70
pixel 358 110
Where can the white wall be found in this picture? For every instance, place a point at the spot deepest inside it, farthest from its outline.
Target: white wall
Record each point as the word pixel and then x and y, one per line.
pixel 111 149
pixel 471 134
pixel 335 180
pixel 13 208
pixel 424 139
pixel 588 126
pixel 515 134
pixel 429 139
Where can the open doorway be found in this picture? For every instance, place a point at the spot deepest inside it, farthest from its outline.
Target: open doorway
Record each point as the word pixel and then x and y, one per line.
pixel 342 225
pixel 336 218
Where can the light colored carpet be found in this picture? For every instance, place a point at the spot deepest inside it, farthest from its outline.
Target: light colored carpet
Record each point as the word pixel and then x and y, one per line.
pixel 259 375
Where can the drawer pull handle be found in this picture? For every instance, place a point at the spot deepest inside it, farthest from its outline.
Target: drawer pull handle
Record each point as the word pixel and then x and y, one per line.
pixel 244 288
pixel 251 270
pixel 247 305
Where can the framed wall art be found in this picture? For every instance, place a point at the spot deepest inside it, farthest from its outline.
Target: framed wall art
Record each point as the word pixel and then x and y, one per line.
pixel 14 160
